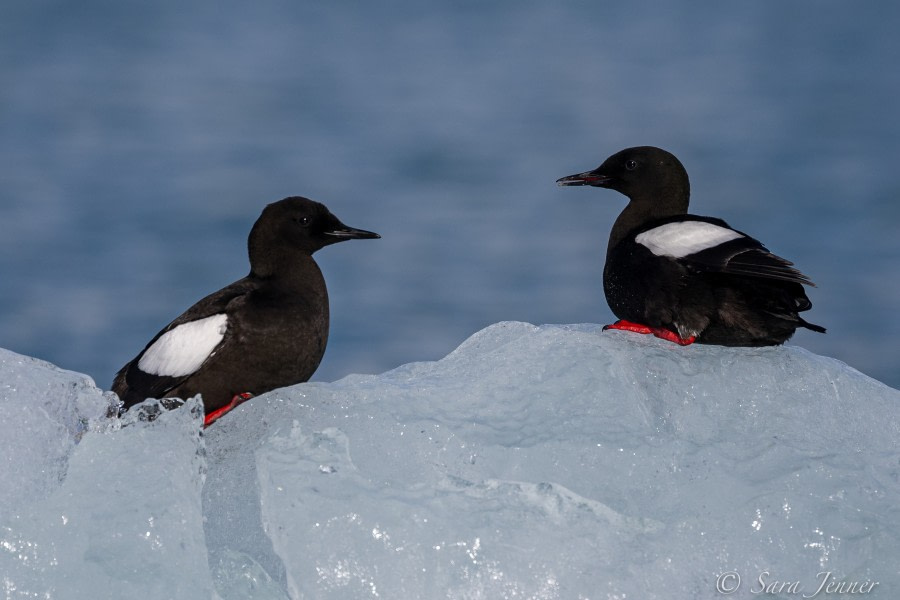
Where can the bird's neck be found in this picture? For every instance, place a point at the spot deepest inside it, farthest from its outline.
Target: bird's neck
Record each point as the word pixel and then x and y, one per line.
pixel 286 267
pixel 641 211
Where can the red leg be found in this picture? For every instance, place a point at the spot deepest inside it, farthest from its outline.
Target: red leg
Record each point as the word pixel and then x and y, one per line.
pixel 660 332
pixel 236 401
pixel 671 336
pixel 628 326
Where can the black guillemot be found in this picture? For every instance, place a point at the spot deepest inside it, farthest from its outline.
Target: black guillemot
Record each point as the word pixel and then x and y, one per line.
pixel 686 278
pixel 265 331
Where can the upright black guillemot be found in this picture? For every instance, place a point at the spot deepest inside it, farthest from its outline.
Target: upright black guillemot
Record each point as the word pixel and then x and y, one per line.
pixel 265 331
pixel 688 278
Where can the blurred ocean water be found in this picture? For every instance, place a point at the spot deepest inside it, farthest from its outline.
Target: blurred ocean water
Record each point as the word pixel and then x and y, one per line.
pixel 139 142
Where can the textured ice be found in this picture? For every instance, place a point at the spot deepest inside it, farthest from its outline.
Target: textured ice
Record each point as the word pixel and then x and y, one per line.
pixel 96 508
pixel 43 412
pixel 532 462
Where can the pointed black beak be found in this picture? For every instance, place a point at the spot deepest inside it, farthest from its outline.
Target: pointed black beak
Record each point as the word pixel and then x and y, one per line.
pixel 342 232
pixel 587 178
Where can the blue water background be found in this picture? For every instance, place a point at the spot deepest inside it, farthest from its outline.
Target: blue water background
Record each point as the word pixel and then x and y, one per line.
pixel 139 142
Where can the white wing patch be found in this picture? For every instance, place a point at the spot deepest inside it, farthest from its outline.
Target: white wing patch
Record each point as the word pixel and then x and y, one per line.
pixel 181 351
pixel 685 237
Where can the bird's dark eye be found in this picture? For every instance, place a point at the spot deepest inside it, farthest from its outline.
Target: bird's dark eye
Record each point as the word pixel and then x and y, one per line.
pixel 631 164
pixel 304 221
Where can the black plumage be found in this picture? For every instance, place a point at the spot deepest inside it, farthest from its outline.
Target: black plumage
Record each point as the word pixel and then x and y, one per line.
pixel 265 331
pixel 687 277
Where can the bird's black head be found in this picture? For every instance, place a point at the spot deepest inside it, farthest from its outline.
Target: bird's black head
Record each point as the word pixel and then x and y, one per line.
pixel 296 224
pixel 645 174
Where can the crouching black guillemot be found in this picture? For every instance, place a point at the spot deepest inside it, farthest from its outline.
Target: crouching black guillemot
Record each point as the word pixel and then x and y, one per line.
pixel 686 278
pixel 265 331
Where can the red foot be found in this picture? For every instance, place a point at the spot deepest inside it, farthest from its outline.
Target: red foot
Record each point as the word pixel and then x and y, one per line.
pixel 236 401
pixel 628 326
pixel 671 336
pixel 660 332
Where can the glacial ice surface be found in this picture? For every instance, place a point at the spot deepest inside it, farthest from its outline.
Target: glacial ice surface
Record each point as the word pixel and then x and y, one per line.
pixel 531 462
